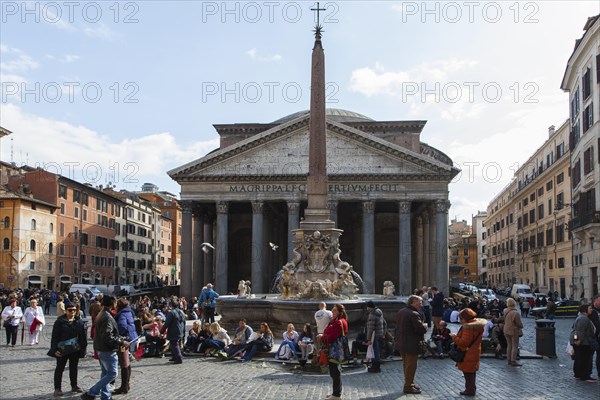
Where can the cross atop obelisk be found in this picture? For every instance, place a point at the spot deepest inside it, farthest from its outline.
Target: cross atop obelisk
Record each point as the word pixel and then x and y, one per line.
pixel 317 211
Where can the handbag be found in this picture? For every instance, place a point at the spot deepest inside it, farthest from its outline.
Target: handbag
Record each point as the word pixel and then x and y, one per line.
pixel 339 352
pixel 457 354
pixel 68 346
pixel 370 350
pixel 7 324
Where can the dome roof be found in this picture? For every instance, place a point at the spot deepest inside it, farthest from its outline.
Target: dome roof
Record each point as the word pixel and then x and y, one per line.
pixel 336 114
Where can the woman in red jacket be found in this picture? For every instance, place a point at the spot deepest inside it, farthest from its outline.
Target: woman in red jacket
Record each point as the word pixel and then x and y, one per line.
pixel 338 326
pixel 468 339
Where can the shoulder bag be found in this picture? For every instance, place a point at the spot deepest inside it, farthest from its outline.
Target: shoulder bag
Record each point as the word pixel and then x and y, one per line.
pixel 68 346
pixel 457 354
pixel 339 353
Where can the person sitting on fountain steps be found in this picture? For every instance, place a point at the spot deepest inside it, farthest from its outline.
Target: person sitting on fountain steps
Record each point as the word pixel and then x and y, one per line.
pixel 241 337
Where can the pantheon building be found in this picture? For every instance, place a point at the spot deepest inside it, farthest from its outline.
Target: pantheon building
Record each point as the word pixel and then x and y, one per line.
pixel 387 191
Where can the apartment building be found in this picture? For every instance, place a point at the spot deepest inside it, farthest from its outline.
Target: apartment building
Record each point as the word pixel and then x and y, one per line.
pixel 582 80
pixel 136 239
pixel 480 234
pixel 85 231
pixel 500 228
pixel 28 239
pixel 542 210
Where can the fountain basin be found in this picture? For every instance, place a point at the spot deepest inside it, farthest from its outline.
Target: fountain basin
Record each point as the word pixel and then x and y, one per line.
pixel 278 313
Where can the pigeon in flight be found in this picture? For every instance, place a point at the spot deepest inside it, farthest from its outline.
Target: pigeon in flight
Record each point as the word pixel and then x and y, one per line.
pixel 205 246
pixel 273 246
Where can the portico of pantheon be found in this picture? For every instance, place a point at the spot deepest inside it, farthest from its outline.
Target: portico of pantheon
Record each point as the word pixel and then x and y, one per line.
pixel 387 191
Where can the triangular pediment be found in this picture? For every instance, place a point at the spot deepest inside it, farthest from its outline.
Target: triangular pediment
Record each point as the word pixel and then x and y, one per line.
pixel 283 152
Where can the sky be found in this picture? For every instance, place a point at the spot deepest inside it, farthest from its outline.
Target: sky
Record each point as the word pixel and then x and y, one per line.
pixel 121 92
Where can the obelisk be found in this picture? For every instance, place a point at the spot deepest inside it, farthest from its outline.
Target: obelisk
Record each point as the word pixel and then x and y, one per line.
pixel 316 215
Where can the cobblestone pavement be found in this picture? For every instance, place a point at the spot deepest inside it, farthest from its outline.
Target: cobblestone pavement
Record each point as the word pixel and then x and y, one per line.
pixel 27 373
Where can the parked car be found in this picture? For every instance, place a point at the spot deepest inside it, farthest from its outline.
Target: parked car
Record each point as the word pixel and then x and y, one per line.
pixel 521 292
pixel 488 294
pixel 564 308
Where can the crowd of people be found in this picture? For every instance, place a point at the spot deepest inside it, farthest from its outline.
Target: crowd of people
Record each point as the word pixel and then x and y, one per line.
pixel 118 325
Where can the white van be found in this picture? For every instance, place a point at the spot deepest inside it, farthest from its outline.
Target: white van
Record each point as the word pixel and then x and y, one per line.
pixel 88 290
pixel 521 292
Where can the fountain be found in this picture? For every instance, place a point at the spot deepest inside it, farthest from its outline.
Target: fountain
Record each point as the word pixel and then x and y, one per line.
pixel 316 273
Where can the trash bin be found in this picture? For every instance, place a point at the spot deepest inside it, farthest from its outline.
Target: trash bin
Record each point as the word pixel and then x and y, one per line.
pixel 545 343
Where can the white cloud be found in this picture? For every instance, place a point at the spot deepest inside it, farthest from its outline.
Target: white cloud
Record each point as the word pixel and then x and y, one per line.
pixel 18 61
pixel 88 156
pixel 100 30
pixel 69 58
pixel 253 53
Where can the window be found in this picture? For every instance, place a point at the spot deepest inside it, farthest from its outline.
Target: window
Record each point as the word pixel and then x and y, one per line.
pixel 6 222
pixel 61 249
pixel 62 191
pixel 532 196
pixel 588 117
pixel 560 232
pixel 61 267
pixel 560 150
pixel 549 236
pixel 575 106
pixel 540 211
pixel 84 215
pixel 33 224
pixel 84 199
pixel 561 262
pixel 31 264
pixel 32 245
pixel 588 160
pixel 62 208
pixel 76 196
pixel 586 84
pixel 560 201
pixel 549 185
pixel 50 248
pixel 560 178
pixel 576 174
pixel 540 191
pixel 61 230
pixel 525 220
pixel 51 227
pixel 6 244
pixel 76 212
pixel 531 216
pixel 525 201
pixel 49 266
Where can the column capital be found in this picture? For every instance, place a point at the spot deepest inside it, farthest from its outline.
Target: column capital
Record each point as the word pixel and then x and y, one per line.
pixel 198 209
pixel 368 207
pixel 293 206
pixel 332 204
pixel 222 207
pixel 257 207
pixel 187 206
pixel 404 207
pixel 442 206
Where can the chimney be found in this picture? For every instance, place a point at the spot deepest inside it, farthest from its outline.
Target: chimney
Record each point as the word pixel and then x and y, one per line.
pixel 551 131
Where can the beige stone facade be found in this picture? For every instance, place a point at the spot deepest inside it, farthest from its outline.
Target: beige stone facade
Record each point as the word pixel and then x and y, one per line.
pixel 582 81
pixel 387 190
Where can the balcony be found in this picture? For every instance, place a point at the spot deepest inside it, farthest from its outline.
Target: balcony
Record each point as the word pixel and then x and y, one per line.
pixel 583 220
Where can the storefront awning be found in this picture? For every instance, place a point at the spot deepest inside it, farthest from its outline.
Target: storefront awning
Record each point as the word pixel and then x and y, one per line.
pixel 65 279
pixel 35 279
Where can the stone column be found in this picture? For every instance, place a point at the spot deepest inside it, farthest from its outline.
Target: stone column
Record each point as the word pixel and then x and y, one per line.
pixel 198 254
pixel 426 250
pixel 185 288
pixel 258 246
pixel 332 205
pixel 432 248
pixel 419 250
pixel 210 255
pixel 441 246
pixel 293 223
pixel 221 246
pixel 405 270
pixel 368 242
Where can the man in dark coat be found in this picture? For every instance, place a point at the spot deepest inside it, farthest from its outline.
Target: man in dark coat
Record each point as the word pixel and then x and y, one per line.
pixel 175 327
pixel 409 333
pixel 595 318
pixel 437 306
pixel 376 329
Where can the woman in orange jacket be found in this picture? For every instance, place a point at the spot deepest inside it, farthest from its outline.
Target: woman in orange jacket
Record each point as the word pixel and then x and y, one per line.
pixel 468 339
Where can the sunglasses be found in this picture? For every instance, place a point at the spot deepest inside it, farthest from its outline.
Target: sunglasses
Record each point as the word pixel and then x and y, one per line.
pixel 71 309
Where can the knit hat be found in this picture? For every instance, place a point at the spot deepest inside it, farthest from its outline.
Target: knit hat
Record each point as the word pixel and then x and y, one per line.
pixel 370 304
pixel 467 314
